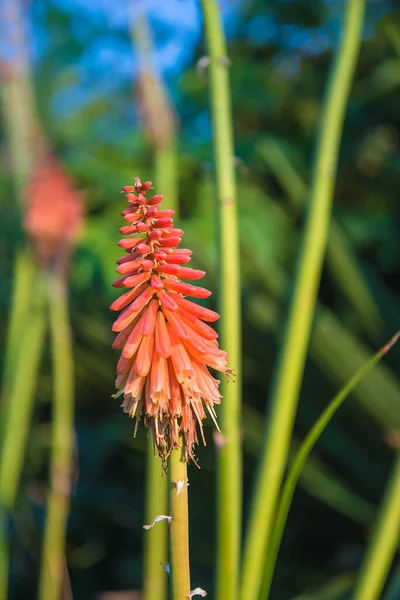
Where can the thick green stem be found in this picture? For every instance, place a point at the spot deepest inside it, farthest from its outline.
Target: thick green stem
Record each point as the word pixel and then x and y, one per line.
pixel 23 276
pixel 229 477
pixel 155 540
pixel 292 360
pixel 53 555
pixel 298 464
pixel 180 569
pixel 384 544
pixel 21 396
pixel 15 429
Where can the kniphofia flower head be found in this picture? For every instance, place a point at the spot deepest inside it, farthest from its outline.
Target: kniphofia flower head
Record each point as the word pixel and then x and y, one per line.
pixel 54 212
pixel 166 342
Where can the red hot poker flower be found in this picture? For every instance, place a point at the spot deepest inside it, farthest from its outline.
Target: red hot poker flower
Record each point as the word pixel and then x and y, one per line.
pixel 167 345
pixel 54 212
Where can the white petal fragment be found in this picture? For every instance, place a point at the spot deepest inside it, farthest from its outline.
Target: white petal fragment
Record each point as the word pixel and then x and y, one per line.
pixel 219 440
pixel 179 486
pixel 157 520
pixel 198 592
pixel 202 65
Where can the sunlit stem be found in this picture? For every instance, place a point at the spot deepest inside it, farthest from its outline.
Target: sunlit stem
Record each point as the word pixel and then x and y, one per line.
pixel 179 528
pixel 229 472
pixel 288 378
pixel 53 555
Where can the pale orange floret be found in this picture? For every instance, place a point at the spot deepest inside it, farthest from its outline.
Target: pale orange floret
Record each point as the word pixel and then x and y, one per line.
pixel 134 309
pixel 127 298
pixel 144 355
pixel 163 343
pixel 166 345
pixel 179 357
pixel 133 342
pixel 148 321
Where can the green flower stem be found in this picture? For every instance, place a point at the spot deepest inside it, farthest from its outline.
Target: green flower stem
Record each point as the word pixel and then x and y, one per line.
pixel 299 462
pixel 23 276
pixel 21 395
pixel 229 477
pixel 384 543
pixel 156 539
pixel 179 528
pixel 53 556
pixel 18 416
pixel 292 360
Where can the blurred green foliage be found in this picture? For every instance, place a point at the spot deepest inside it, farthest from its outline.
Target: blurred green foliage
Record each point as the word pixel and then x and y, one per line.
pixel 276 90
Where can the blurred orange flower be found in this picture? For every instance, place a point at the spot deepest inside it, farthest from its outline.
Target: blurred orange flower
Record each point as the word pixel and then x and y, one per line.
pixel 54 212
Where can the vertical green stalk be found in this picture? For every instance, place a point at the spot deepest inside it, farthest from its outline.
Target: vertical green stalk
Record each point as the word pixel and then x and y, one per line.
pixel 300 459
pixel 17 417
pixel 229 476
pixel 22 132
pixel 53 554
pixel 293 355
pixel 384 544
pixel 22 286
pixel 26 327
pixel 155 540
pixel 179 528
pixel 21 395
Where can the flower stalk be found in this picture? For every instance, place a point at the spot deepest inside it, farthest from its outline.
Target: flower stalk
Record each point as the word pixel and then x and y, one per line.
pixel 179 528
pixel 53 552
pixel 290 368
pixel 229 475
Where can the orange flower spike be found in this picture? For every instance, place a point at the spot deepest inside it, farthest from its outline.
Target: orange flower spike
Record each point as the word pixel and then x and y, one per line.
pixel 53 214
pixel 166 344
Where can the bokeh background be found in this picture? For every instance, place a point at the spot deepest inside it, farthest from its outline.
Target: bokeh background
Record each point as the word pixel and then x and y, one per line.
pixel 112 81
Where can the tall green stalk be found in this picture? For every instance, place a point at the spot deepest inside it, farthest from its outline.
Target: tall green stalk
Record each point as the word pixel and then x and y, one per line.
pixel 53 554
pixel 294 350
pixel 179 528
pixel 23 139
pixel 384 543
pixel 22 395
pixel 298 464
pixel 26 323
pixel 155 551
pixel 229 474
pixel 22 286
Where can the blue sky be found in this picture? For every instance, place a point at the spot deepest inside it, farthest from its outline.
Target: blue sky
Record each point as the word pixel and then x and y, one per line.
pixel 108 57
